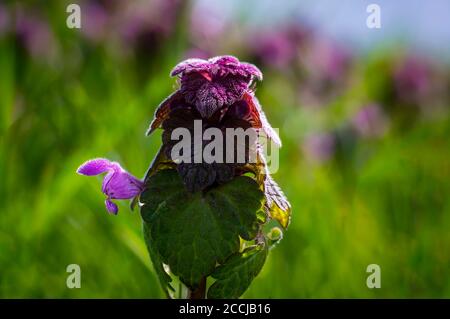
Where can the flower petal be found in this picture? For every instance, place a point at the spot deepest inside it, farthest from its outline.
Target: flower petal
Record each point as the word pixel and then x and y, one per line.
pixel 111 207
pixel 123 185
pixel 106 180
pixel 95 167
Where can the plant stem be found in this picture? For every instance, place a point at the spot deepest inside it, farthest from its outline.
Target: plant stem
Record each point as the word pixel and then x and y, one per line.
pixel 200 292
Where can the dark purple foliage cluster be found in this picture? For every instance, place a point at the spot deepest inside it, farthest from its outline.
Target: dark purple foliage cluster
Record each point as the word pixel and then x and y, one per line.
pixel 217 93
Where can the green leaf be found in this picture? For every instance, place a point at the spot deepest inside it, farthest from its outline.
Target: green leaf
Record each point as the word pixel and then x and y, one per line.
pixel 158 266
pixel 234 277
pixel 192 232
pixel 158 188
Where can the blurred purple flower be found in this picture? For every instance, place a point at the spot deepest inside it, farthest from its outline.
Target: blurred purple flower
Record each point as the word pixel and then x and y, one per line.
pixel 34 34
pixel 370 121
pixel 144 24
pixel 274 49
pixel 214 83
pixel 326 66
pixel 95 20
pixel 328 60
pixel 117 184
pixel 412 79
pixel 4 20
pixel 207 25
pixel 279 49
pixel 320 147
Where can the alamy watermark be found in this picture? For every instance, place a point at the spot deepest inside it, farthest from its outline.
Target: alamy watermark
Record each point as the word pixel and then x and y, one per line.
pixel 230 145
pixel 373 20
pixel 374 279
pixel 73 21
pixel 74 279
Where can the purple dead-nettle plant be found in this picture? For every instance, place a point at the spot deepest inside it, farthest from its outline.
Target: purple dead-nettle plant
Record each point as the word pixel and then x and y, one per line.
pixel 212 219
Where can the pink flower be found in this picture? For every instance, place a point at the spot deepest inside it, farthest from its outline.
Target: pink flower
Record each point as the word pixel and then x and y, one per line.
pixel 117 184
pixel 370 121
pixel 320 147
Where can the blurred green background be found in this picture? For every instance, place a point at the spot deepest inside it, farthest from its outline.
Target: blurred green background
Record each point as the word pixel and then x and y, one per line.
pixel 365 161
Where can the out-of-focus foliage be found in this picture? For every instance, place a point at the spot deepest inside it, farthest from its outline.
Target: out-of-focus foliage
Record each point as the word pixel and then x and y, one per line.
pixel 364 161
